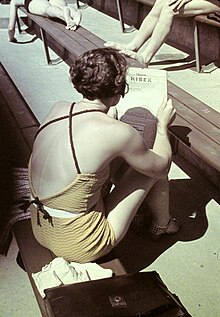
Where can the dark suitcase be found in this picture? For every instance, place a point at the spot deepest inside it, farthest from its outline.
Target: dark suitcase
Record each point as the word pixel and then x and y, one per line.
pixel 139 294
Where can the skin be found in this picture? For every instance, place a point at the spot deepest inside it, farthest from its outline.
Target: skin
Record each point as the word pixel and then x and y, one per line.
pixel 102 139
pixel 158 23
pixel 52 8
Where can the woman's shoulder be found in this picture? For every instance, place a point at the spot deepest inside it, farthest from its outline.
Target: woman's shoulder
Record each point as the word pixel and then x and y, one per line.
pixel 59 109
pixel 121 132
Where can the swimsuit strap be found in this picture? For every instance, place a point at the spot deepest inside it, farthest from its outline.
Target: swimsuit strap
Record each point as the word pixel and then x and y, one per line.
pixel 71 139
pixel 69 116
pixel 71 132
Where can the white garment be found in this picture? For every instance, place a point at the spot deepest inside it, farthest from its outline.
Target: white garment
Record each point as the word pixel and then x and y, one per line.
pixel 60 272
pixel 58 213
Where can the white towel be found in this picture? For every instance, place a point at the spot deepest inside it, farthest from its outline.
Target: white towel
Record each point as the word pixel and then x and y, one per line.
pixel 60 272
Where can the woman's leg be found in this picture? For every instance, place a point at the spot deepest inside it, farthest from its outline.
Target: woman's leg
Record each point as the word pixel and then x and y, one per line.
pixel 39 7
pixel 164 25
pixel 145 31
pixel 14 4
pixel 127 196
pixel 158 200
pixel 72 17
pixel 165 21
pixel 54 9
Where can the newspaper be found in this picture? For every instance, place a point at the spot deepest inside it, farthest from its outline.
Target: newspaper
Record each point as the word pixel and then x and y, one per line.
pixel 147 89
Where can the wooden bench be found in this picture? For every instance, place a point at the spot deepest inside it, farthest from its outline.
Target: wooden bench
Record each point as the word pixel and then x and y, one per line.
pixel 75 43
pixel 201 144
pixel 32 255
pixel 204 19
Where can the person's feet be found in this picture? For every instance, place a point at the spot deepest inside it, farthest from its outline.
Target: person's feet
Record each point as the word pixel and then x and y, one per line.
pixel 11 36
pixel 71 25
pixel 117 46
pixel 139 57
pixel 72 20
pixel 127 50
pixel 156 231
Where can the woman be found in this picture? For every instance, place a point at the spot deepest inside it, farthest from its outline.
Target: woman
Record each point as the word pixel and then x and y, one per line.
pixel 158 23
pixel 47 8
pixel 72 213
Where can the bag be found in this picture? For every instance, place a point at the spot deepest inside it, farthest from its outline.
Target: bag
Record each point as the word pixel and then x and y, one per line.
pixel 139 294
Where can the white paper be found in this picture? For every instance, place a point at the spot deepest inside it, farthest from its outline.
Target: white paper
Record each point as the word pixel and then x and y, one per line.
pixel 147 89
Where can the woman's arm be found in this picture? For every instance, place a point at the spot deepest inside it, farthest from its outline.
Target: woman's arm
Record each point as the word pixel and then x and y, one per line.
pixel 155 162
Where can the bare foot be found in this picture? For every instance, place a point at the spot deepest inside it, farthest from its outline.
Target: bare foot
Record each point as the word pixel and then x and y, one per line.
pixel 11 36
pixel 71 26
pixel 117 46
pixel 139 57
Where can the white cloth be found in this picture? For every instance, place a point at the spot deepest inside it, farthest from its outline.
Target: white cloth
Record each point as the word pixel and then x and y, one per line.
pixel 60 272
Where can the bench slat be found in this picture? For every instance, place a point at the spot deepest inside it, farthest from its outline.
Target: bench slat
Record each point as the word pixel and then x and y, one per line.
pixel 197 123
pixel 91 37
pixel 194 104
pixel 202 18
pixel 79 37
pixel 198 142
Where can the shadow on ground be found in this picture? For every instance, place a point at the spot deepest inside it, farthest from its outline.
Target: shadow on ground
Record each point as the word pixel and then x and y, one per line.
pixel 188 200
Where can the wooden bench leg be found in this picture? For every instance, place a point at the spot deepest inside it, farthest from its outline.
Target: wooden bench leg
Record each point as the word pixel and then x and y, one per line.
pixel 43 37
pixel 218 60
pixel 18 23
pixel 84 6
pixel 197 46
pixel 121 19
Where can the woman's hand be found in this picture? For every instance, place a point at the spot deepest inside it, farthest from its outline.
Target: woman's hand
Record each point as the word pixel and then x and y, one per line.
pixel 166 113
pixel 177 4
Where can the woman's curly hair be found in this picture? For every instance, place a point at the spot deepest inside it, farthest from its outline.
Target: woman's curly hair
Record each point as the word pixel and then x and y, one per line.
pixel 99 73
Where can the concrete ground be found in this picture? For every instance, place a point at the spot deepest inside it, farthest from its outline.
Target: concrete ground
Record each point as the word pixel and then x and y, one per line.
pixel 188 263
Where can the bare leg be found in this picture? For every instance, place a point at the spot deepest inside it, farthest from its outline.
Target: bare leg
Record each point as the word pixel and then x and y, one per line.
pixel 124 201
pixel 164 25
pixel 12 18
pixel 145 31
pixel 56 9
pixel 159 190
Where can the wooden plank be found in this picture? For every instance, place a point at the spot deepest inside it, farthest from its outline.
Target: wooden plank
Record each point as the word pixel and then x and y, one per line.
pixel 15 100
pixel 194 104
pixel 33 255
pixel 77 41
pixel 29 134
pixel 149 3
pixel 16 148
pixel 202 18
pixel 198 122
pixel 198 142
pixel 75 36
pixel 91 37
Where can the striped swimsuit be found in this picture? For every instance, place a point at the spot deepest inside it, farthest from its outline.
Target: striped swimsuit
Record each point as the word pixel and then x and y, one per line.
pixel 87 235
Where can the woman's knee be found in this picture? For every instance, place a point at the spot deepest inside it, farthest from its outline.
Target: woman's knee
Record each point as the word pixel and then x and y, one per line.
pixel 58 3
pixel 156 10
pixel 39 7
pixel 167 11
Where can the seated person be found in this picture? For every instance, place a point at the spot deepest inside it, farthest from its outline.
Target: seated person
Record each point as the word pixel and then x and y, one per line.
pixel 47 8
pixel 73 213
pixel 158 23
